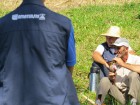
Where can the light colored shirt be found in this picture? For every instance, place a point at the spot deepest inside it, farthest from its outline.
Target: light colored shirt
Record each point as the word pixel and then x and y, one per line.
pixel 122 73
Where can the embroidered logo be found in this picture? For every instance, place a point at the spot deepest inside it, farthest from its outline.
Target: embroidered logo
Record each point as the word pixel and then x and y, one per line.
pixel 28 16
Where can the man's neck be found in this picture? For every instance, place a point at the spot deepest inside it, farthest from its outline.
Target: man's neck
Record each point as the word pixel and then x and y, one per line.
pixel 41 2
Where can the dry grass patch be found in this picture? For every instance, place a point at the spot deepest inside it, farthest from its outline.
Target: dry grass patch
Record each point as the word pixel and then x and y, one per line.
pixel 58 5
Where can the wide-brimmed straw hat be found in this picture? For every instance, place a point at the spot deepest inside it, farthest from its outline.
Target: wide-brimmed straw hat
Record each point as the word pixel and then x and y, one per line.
pixel 113 31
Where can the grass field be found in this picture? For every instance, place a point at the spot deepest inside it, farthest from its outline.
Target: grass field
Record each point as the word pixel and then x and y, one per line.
pixel 89 22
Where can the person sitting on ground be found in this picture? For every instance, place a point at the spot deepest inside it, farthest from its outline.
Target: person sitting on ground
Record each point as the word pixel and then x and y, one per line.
pixel 126 79
pixel 104 52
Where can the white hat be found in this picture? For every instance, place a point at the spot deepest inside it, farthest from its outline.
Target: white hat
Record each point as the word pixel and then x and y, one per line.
pixel 121 42
pixel 113 31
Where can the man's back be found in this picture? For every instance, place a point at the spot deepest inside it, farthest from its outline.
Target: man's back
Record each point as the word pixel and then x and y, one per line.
pixel 33 44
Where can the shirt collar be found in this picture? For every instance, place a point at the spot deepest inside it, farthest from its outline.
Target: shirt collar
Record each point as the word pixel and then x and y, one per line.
pixel 38 2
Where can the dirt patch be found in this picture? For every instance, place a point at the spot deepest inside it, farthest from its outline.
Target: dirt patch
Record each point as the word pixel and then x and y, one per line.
pixel 58 5
pixel 66 4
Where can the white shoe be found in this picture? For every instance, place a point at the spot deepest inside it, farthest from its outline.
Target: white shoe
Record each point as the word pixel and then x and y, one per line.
pixel 98 102
pixel 133 101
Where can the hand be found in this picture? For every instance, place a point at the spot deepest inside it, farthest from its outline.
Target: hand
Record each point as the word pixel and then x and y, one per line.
pixel 113 68
pixel 112 76
pixel 119 61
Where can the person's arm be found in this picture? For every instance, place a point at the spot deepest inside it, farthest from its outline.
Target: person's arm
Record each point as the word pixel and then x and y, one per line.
pixel 112 76
pixel 71 68
pixel 132 67
pixel 98 58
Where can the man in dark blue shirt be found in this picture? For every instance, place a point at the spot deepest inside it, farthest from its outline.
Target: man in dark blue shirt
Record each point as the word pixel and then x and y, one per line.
pixel 37 56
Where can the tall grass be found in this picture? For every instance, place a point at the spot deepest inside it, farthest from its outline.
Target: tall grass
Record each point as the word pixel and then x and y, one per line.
pixel 91 21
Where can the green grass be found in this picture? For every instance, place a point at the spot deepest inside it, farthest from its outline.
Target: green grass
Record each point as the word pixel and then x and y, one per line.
pixel 91 21
pixel 2 13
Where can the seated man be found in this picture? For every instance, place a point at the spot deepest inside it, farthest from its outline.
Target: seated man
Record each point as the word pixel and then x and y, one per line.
pixel 104 52
pixel 124 82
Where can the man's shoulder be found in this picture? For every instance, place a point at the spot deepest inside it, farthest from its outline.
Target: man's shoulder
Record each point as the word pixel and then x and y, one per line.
pixel 100 49
pixel 133 58
pixel 132 55
pixel 105 45
pixel 59 17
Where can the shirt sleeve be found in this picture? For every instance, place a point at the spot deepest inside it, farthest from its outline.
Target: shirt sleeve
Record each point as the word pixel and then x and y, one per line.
pixel 100 49
pixel 137 60
pixel 71 51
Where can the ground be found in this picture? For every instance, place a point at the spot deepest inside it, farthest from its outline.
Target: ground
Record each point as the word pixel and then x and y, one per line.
pixel 58 5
